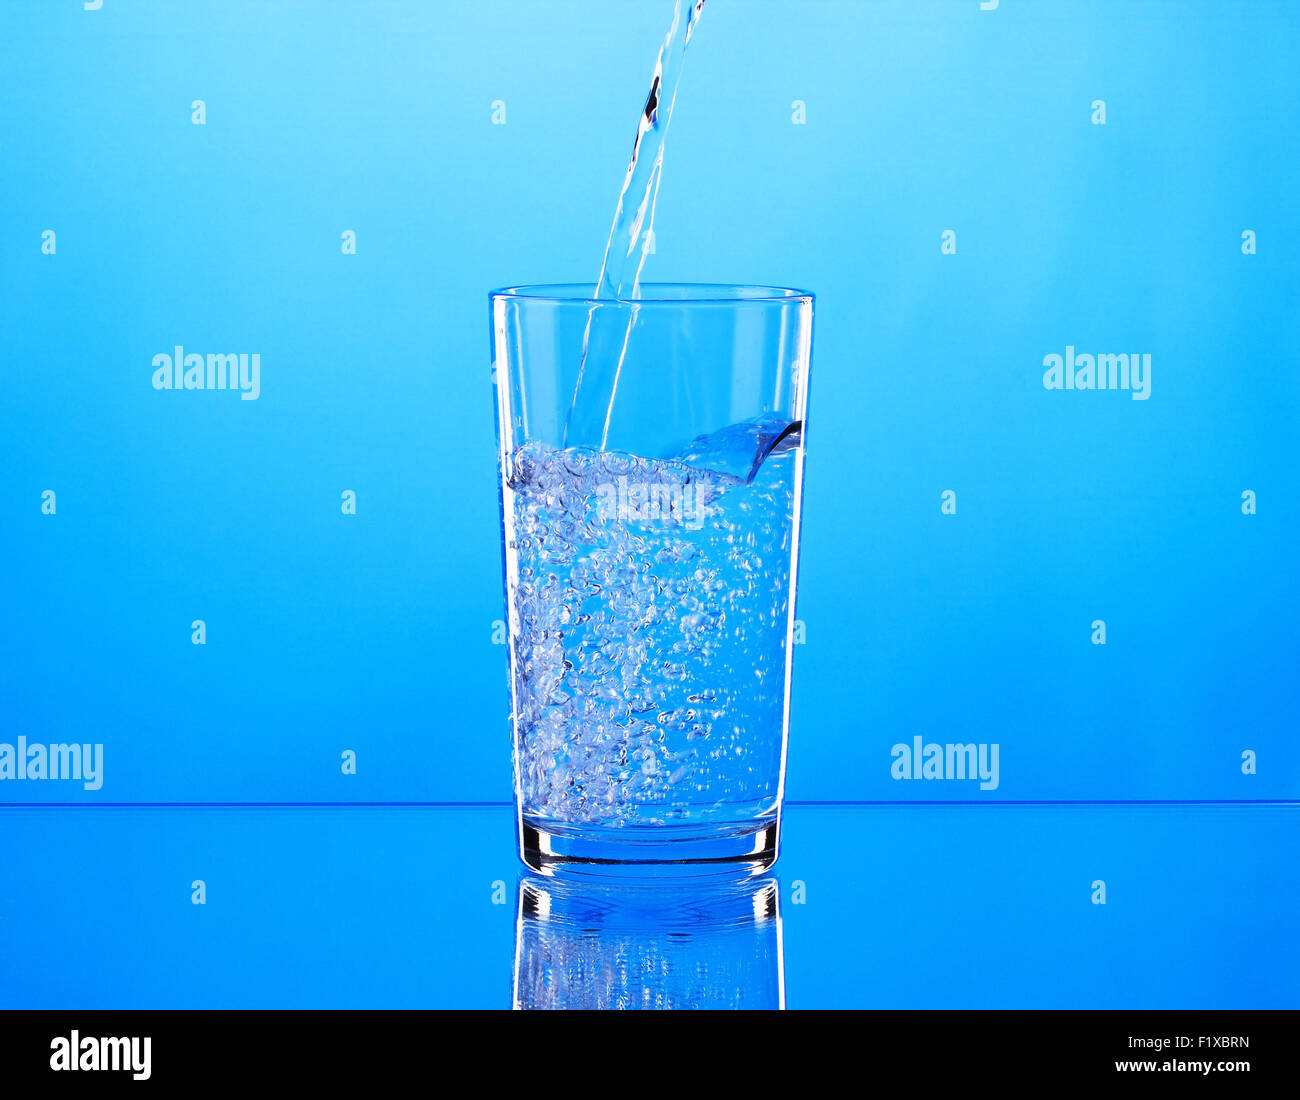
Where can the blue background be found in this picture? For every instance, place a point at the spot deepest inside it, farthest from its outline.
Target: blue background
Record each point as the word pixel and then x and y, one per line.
pixel 374 632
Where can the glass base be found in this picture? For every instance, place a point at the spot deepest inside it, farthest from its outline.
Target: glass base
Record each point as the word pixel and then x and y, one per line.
pixel 745 848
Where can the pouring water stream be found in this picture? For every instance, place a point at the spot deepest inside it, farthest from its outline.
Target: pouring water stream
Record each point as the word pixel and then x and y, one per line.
pixel 629 239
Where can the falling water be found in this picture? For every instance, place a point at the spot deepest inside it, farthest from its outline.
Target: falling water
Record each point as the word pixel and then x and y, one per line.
pixel 605 341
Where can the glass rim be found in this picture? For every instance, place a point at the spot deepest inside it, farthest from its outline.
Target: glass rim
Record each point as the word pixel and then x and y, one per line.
pixel 694 294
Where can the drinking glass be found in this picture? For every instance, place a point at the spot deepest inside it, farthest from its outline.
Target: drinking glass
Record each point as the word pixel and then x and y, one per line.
pixel 651 456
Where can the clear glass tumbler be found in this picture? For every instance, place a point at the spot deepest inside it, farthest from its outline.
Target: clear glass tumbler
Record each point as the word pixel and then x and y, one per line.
pixel 651 469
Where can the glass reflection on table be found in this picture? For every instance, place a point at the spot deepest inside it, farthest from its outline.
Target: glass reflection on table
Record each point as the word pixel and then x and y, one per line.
pixel 707 944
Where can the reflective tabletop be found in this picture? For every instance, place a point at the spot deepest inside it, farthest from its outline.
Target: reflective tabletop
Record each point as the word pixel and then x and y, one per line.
pixel 903 906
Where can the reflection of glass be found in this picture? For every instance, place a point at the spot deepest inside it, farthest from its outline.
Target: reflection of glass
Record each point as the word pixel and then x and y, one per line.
pixel 651 472
pixel 648 945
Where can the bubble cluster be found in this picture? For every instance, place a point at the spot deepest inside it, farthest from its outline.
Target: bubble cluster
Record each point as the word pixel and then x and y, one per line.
pixel 649 603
